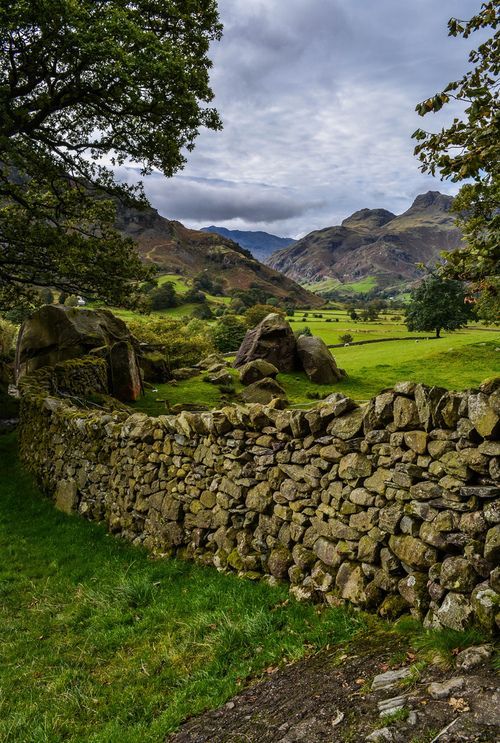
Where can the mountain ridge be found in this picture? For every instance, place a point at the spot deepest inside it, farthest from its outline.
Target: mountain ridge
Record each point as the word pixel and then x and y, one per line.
pixel 175 248
pixel 261 244
pixel 374 242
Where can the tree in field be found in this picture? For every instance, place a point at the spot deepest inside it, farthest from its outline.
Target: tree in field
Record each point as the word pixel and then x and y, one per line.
pixel 80 81
pixel 438 304
pixel 163 297
pixel 468 149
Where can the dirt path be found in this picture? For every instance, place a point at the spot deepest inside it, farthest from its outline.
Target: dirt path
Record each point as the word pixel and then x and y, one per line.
pixel 329 698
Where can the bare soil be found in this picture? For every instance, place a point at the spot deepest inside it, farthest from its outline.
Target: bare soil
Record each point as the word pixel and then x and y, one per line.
pixel 328 698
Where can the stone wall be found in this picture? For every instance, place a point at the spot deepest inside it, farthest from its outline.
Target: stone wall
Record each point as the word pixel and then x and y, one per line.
pixel 393 507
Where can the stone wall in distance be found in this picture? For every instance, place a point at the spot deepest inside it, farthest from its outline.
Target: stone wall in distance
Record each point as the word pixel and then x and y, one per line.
pixel 393 507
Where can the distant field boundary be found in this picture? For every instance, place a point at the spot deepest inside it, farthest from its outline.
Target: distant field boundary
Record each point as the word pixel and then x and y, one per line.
pixel 362 343
pixel 384 340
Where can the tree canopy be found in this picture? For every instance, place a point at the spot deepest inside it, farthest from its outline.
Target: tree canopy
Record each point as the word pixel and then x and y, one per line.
pixel 468 150
pixel 84 83
pixel 438 304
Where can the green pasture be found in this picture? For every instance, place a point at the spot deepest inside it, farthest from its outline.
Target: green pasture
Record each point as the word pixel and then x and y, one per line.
pixel 363 286
pixel 103 644
pixel 456 361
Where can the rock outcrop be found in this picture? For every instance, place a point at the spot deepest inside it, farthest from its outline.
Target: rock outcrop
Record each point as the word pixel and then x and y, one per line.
pixel 256 370
pixel 271 340
pixel 317 361
pixel 57 333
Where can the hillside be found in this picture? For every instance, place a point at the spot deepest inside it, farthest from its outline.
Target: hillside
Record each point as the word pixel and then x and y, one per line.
pixel 176 249
pixel 374 243
pixel 260 244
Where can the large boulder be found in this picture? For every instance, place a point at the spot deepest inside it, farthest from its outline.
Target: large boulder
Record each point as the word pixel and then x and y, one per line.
pixel 56 333
pixel 255 370
pixel 263 391
pixel 271 340
pixel 317 361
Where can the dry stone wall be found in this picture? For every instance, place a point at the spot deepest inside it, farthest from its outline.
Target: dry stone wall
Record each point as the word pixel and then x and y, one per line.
pixel 393 507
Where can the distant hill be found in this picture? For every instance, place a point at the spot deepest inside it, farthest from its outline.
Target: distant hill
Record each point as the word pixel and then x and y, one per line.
pixel 374 243
pixel 177 249
pixel 260 244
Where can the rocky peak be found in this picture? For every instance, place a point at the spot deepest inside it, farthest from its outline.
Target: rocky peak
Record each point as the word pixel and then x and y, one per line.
pixel 432 200
pixel 368 219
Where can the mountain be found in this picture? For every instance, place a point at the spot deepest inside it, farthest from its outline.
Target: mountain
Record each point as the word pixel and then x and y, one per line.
pixel 177 249
pixel 260 244
pixel 374 243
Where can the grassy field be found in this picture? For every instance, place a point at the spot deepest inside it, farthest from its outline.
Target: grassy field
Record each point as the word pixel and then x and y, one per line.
pixel 358 287
pixel 100 643
pixel 456 361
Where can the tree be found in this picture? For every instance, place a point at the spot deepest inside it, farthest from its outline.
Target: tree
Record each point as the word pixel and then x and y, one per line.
pixel 346 338
pixel 80 81
pixel 254 315
pixel 468 149
pixel 229 333
pixel 438 304
pixel 163 297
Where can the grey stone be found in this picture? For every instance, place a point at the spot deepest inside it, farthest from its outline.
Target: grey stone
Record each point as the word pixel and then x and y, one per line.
pixel 273 341
pixel 255 370
pixel 263 391
pixel 317 361
pixel 389 679
pixel 473 656
pixel 444 689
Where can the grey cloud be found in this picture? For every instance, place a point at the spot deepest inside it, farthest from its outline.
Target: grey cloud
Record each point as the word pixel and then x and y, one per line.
pixel 317 99
pixel 213 199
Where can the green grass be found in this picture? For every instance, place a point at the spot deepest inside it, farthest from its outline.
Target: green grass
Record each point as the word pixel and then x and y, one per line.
pixel 456 361
pixel 100 643
pixel 192 391
pixel 362 286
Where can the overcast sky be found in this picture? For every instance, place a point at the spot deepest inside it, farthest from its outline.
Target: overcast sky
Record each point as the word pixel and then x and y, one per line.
pixel 317 99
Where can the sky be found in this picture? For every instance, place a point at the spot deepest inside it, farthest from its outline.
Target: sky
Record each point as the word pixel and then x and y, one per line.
pixel 317 99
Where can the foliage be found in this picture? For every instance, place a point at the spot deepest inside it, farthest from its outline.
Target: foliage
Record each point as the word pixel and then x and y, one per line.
pixel 468 149
pixel 306 330
pixel 117 79
pixel 71 301
pixel 254 315
pixel 127 647
pixel 229 333
pixel 438 304
pixel 8 333
pixel 46 296
pixel 163 297
pixel 203 312
pixel 249 297
pixel 345 338
pixel 205 283
pixel 486 307
pixel 182 344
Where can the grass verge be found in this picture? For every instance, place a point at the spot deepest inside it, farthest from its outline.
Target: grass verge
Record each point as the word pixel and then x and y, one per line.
pixel 100 643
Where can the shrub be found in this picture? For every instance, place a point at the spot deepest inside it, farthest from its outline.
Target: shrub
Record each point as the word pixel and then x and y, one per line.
pixel 345 338
pixel 183 344
pixel 229 333
pixel 163 297
pixel 303 331
pixel 254 315
pixel 8 334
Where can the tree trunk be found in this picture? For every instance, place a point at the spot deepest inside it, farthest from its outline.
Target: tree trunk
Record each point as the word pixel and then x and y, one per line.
pixel 438 332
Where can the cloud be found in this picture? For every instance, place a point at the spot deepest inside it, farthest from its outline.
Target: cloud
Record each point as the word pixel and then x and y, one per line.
pixel 318 101
pixel 214 200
